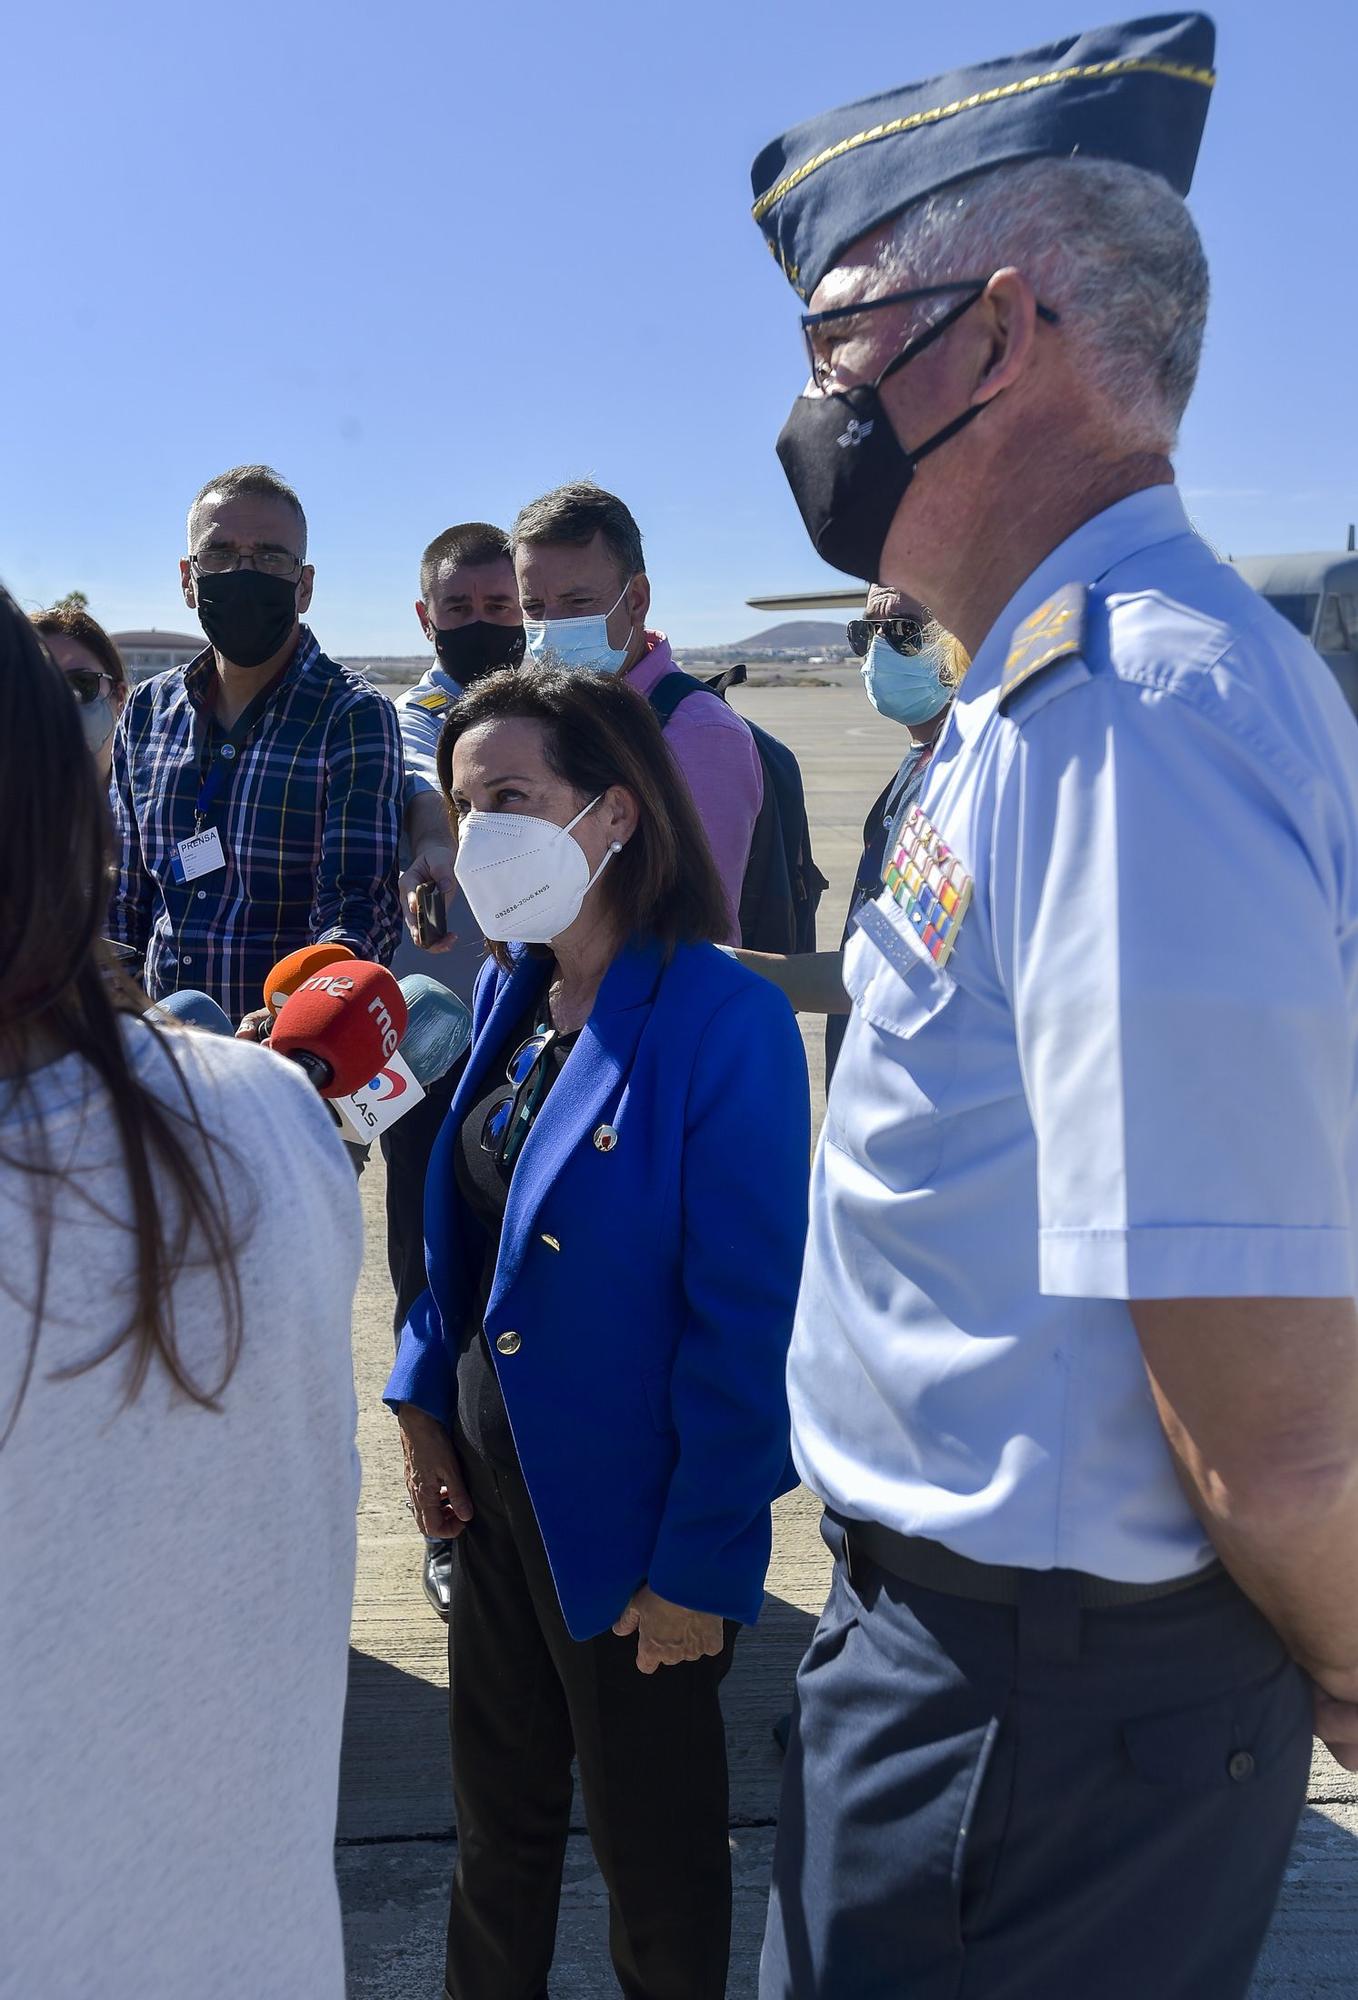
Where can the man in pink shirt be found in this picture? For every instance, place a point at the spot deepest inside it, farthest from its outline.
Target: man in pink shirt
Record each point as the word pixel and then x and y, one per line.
pixel 585 596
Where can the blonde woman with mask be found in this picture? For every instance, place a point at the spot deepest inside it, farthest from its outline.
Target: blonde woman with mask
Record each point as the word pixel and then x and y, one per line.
pixel 911 669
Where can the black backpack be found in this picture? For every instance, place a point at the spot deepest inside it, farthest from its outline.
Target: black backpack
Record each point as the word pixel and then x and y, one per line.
pixel 782 885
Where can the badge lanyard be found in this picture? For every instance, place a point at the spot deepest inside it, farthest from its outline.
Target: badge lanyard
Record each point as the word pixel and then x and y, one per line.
pixel 202 853
pixel 214 777
pixel 868 882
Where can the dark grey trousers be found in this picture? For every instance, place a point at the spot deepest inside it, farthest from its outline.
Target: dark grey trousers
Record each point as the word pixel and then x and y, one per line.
pixel 989 1803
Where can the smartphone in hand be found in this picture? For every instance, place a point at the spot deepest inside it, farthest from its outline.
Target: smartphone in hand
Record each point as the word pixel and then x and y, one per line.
pixel 431 921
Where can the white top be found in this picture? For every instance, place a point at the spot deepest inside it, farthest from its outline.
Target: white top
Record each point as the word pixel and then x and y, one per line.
pixel 176 1585
pixel 1134 1077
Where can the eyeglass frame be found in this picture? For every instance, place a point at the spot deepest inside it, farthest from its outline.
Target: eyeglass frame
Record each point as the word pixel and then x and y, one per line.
pixel 105 683
pixel 976 286
pixel 881 628
pixel 240 557
pixel 521 1112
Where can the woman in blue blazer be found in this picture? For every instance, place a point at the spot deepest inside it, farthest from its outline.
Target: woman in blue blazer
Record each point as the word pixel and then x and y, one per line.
pixel 591 1390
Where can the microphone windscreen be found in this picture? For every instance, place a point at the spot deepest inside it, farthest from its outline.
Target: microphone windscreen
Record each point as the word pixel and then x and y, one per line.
pixel 439 1030
pixel 350 1017
pixel 289 972
pixel 193 1010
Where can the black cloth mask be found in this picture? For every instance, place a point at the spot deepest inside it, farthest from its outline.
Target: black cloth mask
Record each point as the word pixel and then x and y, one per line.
pixel 246 615
pixel 847 468
pixel 469 652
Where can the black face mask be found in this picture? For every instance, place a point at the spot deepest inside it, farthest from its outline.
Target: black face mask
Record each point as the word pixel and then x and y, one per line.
pixel 469 652
pixel 847 468
pixel 247 616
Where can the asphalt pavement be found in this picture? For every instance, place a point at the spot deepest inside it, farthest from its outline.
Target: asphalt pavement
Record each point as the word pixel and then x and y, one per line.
pixel 396 1837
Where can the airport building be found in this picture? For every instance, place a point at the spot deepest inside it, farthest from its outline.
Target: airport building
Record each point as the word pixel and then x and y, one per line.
pixel 147 653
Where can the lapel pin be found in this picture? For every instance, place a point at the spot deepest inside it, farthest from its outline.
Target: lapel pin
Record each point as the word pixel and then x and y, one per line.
pixel 605 1139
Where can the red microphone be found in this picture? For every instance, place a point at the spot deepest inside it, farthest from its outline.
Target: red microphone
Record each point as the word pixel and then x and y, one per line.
pixel 289 972
pixel 342 1025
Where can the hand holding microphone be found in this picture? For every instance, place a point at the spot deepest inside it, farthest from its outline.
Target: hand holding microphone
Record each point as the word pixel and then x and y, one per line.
pixel 341 1025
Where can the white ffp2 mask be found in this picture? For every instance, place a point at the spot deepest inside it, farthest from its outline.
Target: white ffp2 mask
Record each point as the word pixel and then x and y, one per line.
pixel 524 878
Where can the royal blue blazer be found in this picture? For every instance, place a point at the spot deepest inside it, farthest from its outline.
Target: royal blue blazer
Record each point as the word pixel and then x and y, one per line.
pixel 651 1282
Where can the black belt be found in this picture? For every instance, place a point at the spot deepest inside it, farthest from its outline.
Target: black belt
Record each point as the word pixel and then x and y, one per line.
pixel 912 1559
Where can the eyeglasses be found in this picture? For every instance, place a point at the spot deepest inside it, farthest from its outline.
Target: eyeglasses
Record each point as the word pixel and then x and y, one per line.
pixel 508 1123
pixel 822 372
pixel 903 635
pixel 87 685
pixel 269 562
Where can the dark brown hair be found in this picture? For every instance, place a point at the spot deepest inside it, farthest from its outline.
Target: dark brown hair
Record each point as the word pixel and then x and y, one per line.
pixel 599 732
pixel 57 998
pixel 87 632
pixel 576 514
pixel 467 546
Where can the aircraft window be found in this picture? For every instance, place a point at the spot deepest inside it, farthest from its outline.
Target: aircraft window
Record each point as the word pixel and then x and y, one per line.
pixel 1299 610
pixel 1338 631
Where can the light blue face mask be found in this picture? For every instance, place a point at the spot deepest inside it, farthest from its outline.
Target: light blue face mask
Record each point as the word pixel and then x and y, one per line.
pixel 97 720
pixel 579 642
pixel 906 688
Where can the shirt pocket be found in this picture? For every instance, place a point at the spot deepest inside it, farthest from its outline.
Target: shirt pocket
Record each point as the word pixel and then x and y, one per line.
pixel 890 977
pixel 892 1094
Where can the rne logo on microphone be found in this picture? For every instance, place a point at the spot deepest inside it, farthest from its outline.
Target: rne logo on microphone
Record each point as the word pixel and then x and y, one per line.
pixel 390 1039
pixel 326 982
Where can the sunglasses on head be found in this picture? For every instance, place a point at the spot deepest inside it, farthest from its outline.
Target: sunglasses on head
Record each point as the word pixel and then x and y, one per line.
pixel 87 685
pixel 903 635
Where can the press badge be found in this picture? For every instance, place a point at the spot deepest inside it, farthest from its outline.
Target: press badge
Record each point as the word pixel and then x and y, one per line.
pixel 201 854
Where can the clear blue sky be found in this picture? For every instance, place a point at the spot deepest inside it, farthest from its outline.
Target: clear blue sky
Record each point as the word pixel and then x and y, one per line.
pixel 429 260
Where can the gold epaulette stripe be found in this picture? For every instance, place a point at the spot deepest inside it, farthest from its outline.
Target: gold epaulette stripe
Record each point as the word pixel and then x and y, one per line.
pixel 1080 73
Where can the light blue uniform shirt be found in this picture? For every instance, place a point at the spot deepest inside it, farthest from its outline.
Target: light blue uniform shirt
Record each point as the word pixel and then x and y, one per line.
pixel 1133 1078
pixel 419 714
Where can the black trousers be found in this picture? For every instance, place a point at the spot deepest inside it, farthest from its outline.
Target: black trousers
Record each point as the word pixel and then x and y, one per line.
pixel 524 1697
pixel 406 1147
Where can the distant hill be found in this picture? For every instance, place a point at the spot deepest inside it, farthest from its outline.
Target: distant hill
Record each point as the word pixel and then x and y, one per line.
pixel 797 635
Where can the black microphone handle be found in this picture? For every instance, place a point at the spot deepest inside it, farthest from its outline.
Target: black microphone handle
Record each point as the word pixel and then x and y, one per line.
pixel 314 1066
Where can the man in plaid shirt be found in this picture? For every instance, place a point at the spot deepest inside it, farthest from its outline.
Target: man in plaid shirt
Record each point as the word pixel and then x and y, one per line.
pixel 257 791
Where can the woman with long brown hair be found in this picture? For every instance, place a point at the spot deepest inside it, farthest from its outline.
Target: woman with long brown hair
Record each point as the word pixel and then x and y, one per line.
pixel 181 1244
pixel 591 1391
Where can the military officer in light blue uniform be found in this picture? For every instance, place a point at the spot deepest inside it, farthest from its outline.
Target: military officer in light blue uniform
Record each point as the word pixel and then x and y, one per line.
pixel 468 609
pixel 1076 1361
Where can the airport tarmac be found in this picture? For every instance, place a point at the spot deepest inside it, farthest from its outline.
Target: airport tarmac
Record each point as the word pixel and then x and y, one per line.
pixel 396 1839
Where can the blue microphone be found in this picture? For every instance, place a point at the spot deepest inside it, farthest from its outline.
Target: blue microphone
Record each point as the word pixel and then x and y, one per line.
pixel 192 1010
pixel 439 1030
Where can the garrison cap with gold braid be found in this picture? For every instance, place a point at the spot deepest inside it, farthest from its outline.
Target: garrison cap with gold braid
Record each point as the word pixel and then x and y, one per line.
pixel 1136 92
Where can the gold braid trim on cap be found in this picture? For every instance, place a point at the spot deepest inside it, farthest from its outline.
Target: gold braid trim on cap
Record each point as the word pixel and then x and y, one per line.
pixel 1082 72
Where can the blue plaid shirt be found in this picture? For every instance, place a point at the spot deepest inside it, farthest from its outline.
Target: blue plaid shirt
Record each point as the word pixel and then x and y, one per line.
pixel 309 815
